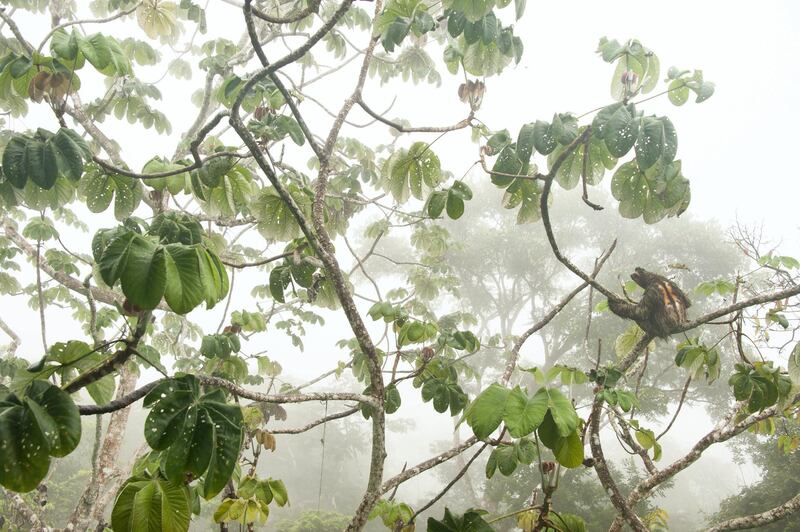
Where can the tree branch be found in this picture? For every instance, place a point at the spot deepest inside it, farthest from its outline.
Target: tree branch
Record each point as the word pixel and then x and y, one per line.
pixel 113 362
pixel 320 421
pixel 514 355
pixel 103 295
pixel 758 520
pixel 403 129
pixel 718 435
pixel 545 210
pixel 604 475
pixel 427 464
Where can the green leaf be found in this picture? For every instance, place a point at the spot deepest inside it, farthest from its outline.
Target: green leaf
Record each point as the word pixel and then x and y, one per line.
pixel 412 171
pixel 100 188
pixel 483 60
pixel 461 190
pixel 504 458
pixel 471 521
pixel 486 412
pixel 102 391
pixel 544 138
pixel 176 227
pixel 794 364
pixel 519 8
pixel 474 10
pixel 40 423
pixel 184 285
pixel 158 19
pixel 436 203
pixel 279 280
pixel 200 433
pixel 105 54
pixel 560 407
pixel 569 450
pixel 526 141
pixel 524 414
pixel 621 132
pixel 151 505
pixel 565 522
pixel 145 268
pixel 275 220
pixel 678 92
pixel 392 400
pixel 507 163
pixel 144 278
pixel 650 143
pixel 15 165
pixel 44 158
pixel 455 206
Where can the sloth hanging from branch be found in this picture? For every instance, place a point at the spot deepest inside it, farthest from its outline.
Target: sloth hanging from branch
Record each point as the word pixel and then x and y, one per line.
pixel 662 308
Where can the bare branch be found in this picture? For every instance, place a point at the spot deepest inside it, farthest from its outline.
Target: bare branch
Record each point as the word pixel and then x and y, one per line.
pixel 123 402
pixel 514 355
pixel 427 464
pixel 403 129
pixel 120 402
pixel 320 421
pixel 545 210
pixel 63 25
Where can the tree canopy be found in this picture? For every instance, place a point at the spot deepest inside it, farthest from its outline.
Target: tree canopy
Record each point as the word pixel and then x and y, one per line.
pixel 177 277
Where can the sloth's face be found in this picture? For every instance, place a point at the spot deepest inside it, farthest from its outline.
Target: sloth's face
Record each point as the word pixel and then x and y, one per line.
pixel 639 277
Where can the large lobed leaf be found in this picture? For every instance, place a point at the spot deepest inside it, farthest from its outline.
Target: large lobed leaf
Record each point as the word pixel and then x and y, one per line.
pixel 39 423
pixel 200 433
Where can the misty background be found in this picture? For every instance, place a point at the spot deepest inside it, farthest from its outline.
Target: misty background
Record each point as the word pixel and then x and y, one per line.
pixel 738 150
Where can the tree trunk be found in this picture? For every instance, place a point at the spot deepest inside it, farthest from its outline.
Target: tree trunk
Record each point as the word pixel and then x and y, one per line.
pixel 107 475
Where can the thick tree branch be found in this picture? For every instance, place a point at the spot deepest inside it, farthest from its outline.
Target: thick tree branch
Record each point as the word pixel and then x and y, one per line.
pixel 718 435
pixel 120 402
pixel 545 210
pixel 327 255
pixel 18 504
pixel 103 295
pixel 758 520
pixel 604 474
pixel 123 402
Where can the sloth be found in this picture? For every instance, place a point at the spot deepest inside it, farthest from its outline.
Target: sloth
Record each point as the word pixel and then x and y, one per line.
pixel 662 307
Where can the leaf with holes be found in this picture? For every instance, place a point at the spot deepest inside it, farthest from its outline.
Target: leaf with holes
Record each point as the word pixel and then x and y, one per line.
pixel 200 434
pixel 36 424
